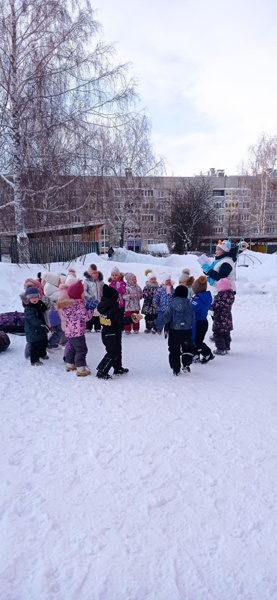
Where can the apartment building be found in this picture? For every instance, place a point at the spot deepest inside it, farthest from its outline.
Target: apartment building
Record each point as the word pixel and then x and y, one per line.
pixel 134 212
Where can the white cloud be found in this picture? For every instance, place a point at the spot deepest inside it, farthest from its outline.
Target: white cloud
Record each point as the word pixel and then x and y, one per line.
pixel 206 74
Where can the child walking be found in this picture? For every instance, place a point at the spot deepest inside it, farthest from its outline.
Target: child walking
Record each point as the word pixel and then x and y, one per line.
pixel 180 318
pixel 149 308
pixel 200 305
pixel 35 326
pixel 112 321
pixel 132 299
pixel 223 323
pixel 76 315
pixel 163 298
pixel 93 287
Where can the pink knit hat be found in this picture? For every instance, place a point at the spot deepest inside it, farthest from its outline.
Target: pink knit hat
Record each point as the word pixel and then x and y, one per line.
pixel 223 285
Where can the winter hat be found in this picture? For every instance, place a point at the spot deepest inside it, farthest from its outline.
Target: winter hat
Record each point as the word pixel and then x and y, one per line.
pixel 181 291
pixel 34 283
pixel 53 278
pixel 166 277
pixel 115 271
pixel 129 277
pixel 225 246
pixel 92 268
pixel 32 292
pixel 223 285
pixel 200 285
pixel 150 275
pixel 184 276
pixel 71 277
pixel 75 290
pixel 109 292
pixel 63 291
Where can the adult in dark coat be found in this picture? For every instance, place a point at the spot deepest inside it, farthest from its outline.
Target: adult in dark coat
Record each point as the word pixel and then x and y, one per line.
pixel 112 321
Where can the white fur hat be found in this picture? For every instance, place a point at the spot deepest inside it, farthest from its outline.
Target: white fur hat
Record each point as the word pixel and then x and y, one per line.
pixel 165 278
pixel 115 271
pixel 71 277
pixel 53 278
pixel 150 275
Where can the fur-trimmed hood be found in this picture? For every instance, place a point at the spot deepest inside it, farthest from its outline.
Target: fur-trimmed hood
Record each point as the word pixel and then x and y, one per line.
pixel 64 303
pixel 90 278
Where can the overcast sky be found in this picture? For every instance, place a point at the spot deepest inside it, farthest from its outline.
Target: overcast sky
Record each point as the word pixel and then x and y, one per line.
pixel 206 74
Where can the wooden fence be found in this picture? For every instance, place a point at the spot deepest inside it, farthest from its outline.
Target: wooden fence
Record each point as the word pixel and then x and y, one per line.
pixel 42 252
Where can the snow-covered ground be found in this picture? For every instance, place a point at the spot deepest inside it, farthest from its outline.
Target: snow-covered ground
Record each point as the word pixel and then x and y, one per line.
pixel 146 486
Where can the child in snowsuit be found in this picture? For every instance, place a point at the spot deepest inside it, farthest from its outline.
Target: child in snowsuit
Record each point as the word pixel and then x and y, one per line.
pixel 116 281
pixel 93 287
pixel 51 282
pixel 162 299
pixel 149 308
pixel 200 305
pixel 76 315
pixel 187 280
pixel 132 298
pixel 222 323
pixel 112 321
pixel 180 318
pixel 35 325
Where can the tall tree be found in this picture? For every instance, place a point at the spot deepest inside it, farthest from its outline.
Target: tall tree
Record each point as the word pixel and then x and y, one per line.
pixel 192 213
pixel 262 160
pixel 58 86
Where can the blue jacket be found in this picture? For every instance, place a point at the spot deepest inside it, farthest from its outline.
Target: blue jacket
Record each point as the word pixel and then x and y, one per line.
pixel 162 299
pixel 200 305
pixel 179 314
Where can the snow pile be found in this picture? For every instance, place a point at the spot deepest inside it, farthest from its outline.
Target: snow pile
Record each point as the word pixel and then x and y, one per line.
pixel 146 486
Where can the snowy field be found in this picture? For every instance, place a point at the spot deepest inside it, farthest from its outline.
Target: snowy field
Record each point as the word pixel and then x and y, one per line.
pixel 146 486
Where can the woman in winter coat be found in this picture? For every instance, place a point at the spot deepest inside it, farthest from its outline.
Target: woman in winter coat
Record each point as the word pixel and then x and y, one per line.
pixel 162 299
pixel 93 287
pixel 179 317
pixel 223 267
pixel 223 323
pixel 149 308
pixel 132 299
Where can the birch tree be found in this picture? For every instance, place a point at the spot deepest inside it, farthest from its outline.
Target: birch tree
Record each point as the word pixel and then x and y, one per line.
pixel 58 86
pixel 262 158
pixel 192 213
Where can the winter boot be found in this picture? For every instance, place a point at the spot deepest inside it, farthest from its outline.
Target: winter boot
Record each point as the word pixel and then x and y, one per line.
pixel 186 369
pixel 120 371
pixel 206 359
pixel 70 367
pixel 220 352
pixel 83 371
pixel 176 373
pixel 38 363
pixel 100 375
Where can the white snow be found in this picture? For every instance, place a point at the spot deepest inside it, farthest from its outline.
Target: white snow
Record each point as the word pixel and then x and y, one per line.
pixel 146 486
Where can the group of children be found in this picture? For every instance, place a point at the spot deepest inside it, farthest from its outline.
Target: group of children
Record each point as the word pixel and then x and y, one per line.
pixel 59 309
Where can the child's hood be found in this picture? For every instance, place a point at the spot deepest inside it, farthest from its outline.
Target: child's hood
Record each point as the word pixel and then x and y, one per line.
pixel 205 297
pixel 65 303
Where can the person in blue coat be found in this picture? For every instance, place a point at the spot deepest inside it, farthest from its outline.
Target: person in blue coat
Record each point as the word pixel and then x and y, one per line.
pixel 180 318
pixel 35 326
pixel 200 305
